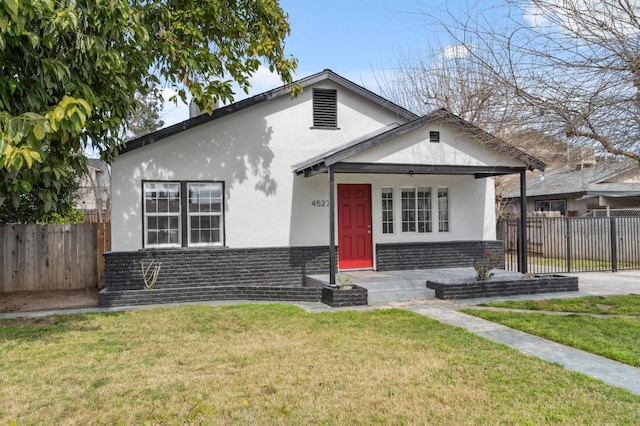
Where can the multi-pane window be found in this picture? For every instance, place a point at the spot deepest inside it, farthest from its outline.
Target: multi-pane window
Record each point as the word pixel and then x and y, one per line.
pixel 387 210
pixel 183 214
pixel 416 210
pixel 408 210
pixel 443 209
pixel 424 209
pixel 162 214
pixel 205 213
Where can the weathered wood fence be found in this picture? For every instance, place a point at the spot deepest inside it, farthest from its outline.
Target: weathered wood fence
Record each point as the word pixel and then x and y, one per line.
pixel 52 257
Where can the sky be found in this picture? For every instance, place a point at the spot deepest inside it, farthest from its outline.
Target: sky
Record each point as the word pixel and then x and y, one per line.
pixel 358 39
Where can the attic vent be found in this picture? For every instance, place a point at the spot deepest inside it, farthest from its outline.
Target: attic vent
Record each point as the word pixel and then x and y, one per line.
pixel 434 137
pixel 325 108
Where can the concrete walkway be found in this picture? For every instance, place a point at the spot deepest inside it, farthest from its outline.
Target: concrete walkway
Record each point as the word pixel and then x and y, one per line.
pixel 591 283
pixel 610 372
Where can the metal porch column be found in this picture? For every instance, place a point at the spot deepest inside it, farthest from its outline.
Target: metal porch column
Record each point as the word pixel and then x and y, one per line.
pixel 522 229
pixel 332 229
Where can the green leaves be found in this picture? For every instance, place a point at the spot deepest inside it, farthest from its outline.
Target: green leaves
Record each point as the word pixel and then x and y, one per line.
pixel 71 69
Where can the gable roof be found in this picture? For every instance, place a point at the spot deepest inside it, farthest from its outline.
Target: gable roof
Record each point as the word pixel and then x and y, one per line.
pixel 350 149
pixel 594 180
pixel 325 75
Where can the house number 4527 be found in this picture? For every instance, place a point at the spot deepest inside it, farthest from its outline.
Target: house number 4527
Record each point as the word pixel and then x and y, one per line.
pixel 320 203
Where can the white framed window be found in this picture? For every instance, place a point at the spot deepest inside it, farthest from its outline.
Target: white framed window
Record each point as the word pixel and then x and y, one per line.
pixel 183 214
pixel 205 213
pixel 443 209
pixel 162 214
pixel 423 195
pixel 387 209
pixel 417 210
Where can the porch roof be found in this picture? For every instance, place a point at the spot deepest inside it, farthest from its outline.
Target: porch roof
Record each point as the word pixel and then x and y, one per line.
pixel 334 158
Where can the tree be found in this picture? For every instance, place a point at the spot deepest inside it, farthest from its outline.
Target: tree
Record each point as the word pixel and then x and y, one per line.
pixel 573 65
pixel 70 69
pixel 146 117
pixel 31 208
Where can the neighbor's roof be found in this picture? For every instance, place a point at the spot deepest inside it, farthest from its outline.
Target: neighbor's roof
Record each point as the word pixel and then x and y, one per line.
pixel 392 131
pixel 326 75
pixel 590 181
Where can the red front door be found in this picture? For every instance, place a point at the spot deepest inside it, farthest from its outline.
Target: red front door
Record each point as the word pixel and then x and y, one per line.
pixel 354 226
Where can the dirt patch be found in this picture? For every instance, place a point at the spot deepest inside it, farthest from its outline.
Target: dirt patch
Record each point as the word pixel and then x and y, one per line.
pixel 48 300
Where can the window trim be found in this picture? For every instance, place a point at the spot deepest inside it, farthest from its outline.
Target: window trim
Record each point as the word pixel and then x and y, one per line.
pixel 448 210
pixel 183 235
pixel 382 211
pixel 416 220
pixel 190 214
pixel 145 215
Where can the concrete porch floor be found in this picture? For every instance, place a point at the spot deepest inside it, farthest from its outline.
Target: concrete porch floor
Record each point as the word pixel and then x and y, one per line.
pixel 402 286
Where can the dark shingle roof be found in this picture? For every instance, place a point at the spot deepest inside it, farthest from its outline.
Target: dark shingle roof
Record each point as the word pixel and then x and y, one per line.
pixel 326 75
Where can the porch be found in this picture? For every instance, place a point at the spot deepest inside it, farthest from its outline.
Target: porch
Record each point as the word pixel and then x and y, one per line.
pixel 401 286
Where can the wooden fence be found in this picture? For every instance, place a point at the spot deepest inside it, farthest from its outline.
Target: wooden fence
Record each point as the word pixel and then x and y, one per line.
pixel 52 257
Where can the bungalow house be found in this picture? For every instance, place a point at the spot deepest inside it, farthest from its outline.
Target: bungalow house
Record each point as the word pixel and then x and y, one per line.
pixel 604 187
pixel 248 201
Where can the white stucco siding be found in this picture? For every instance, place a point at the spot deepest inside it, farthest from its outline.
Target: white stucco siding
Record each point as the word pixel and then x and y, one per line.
pixel 252 152
pixel 454 148
pixel 471 208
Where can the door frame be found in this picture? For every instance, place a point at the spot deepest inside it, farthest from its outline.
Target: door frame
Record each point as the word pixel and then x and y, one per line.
pixel 369 262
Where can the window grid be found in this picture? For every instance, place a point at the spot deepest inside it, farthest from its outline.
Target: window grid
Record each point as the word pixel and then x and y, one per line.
pixel 408 210
pixel 417 210
pixel 443 209
pixel 162 214
pixel 205 213
pixel 387 210
pixel 424 210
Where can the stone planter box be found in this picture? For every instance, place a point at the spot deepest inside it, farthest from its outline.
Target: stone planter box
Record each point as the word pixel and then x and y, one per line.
pixel 336 297
pixel 503 287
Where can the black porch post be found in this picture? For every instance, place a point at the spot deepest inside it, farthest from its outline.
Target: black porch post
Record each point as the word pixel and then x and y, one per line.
pixel 522 230
pixel 332 230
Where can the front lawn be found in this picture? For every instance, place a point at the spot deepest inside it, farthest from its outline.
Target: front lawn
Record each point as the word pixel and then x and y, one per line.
pixel 610 305
pixel 276 364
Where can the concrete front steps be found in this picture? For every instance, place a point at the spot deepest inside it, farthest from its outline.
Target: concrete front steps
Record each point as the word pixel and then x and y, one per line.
pixel 384 287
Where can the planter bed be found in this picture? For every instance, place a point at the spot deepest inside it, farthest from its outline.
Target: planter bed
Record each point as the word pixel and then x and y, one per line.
pixel 503 287
pixel 336 297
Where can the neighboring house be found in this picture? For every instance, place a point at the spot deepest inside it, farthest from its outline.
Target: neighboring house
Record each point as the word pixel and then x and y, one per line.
pixel 577 190
pixel 94 193
pixel 270 189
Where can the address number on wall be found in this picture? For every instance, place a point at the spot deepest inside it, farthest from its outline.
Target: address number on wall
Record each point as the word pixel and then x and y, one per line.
pixel 320 203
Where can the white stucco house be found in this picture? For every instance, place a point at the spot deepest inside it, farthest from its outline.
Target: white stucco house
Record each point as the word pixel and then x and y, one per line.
pixel 271 188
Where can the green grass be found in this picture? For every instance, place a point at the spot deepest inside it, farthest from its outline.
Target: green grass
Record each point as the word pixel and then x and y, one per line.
pixel 614 338
pixel 611 305
pixel 276 364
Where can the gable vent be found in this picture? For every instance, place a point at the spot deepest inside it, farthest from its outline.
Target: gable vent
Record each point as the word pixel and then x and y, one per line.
pixel 325 108
pixel 434 137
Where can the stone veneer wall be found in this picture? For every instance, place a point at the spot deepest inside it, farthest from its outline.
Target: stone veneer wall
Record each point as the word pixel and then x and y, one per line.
pixel 280 266
pixel 432 255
